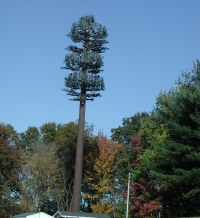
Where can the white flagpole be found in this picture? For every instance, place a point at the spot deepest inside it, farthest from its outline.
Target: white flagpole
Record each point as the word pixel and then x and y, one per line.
pixel 127 200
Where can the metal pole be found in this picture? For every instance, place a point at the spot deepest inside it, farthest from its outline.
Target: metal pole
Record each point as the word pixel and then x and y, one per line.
pixel 127 200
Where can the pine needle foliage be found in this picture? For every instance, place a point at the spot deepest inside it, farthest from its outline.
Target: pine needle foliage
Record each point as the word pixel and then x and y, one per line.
pixel 85 59
pixel 178 162
pixel 84 83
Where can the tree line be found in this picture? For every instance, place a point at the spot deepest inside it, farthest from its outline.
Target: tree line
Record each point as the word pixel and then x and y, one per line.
pixel 159 149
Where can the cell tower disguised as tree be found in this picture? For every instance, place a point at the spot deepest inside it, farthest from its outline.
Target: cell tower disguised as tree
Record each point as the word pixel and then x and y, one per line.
pixel 84 82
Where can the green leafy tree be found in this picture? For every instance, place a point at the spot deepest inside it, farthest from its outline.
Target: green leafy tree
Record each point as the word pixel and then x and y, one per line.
pixel 130 127
pixel 26 140
pixel 48 132
pixel 65 140
pixel 84 83
pixel 66 144
pixel 123 135
pixel 151 132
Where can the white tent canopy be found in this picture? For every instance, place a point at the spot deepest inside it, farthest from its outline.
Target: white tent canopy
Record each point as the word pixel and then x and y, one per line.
pixel 33 215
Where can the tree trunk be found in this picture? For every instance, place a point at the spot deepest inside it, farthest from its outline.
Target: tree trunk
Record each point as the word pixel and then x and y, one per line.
pixel 79 159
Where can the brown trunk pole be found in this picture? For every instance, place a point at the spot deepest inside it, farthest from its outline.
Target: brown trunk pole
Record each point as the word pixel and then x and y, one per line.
pixel 79 159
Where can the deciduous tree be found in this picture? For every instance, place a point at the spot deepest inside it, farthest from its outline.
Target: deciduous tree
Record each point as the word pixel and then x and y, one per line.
pixel 143 190
pixel 10 161
pixel 130 127
pixel 41 179
pixel 101 181
pixel 27 139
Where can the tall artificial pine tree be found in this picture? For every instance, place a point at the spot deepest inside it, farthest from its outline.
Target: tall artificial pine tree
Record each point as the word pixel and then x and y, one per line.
pixel 84 82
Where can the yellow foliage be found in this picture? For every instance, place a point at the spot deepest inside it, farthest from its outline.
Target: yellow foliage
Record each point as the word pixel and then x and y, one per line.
pixel 100 182
pixel 41 177
pixel 103 208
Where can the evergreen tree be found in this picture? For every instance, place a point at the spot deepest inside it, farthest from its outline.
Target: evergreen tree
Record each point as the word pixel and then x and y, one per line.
pixel 178 161
pixel 84 82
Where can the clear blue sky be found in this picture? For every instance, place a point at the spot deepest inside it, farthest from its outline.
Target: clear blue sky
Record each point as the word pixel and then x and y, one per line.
pixel 151 43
